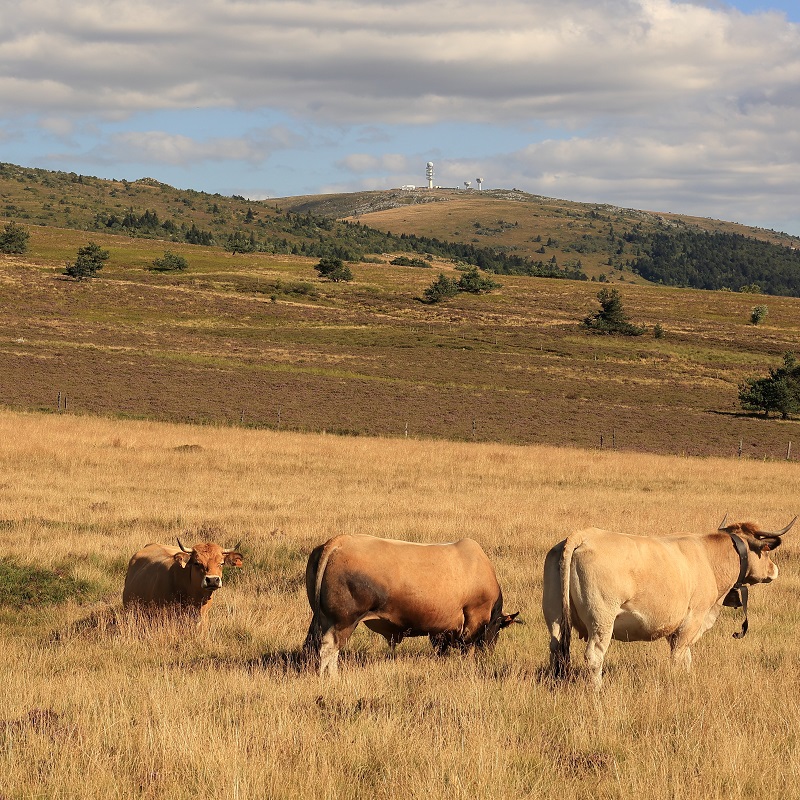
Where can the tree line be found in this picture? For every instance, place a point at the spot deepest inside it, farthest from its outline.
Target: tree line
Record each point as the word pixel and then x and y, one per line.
pixel 703 260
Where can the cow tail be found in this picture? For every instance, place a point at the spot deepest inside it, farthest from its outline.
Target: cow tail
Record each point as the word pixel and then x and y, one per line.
pixel 565 640
pixel 315 571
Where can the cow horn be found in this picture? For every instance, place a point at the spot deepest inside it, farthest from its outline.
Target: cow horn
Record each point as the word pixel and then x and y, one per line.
pixel 785 530
pixel 180 544
pixel 722 524
pixel 236 547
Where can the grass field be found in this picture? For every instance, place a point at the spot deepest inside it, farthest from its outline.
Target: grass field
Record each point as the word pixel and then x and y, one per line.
pixel 259 340
pixel 109 710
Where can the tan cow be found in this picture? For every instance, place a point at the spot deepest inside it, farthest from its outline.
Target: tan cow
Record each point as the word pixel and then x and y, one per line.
pixel 448 592
pixel 639 588
pixel 163 577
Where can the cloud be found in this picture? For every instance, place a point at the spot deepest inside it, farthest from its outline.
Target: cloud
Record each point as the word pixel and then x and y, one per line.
pixel 160 147
pixel 364 162
pixel 630 101
pixel 357 61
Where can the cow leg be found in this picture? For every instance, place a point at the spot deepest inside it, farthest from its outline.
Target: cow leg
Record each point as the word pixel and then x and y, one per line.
pixel 596 647
pixel 556 666
pixel 680 652
pixel 333 640
pixel 329 654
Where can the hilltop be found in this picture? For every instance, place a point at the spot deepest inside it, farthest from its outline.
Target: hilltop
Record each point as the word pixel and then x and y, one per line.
pixel 605 242
pixel 502 231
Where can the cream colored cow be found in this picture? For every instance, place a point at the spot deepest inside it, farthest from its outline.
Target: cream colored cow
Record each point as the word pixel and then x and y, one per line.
pixel 639 588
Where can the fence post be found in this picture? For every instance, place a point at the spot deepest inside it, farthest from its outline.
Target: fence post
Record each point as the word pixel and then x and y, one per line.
pixel 789 451
pixel 601 441
pixel 59 401
pixel 740 448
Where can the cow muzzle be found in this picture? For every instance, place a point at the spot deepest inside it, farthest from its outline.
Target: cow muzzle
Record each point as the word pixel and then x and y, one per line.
pixel 212 582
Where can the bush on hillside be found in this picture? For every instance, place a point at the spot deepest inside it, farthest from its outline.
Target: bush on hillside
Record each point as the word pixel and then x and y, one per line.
pixel 442 288
pixel 90 259
pixel 472 281
pixel 169 262
pixel 779 392
pixel 611 318
pixel 334 269
pixel 14 239
pixel 758 314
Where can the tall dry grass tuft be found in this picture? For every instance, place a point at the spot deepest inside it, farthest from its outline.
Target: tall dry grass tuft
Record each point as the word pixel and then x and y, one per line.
pixel 99 704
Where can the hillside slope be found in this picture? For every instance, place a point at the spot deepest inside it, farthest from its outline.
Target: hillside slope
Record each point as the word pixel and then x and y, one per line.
pixel 504 231
pixel 258 339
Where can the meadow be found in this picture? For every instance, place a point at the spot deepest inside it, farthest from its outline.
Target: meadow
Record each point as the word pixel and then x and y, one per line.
pixel 98 705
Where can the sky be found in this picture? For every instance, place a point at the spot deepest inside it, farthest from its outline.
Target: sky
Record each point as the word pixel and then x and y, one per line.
pixel 690 107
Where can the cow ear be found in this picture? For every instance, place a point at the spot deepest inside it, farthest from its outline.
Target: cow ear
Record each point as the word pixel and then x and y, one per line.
pixel 181 558
pixel 233 559
pixel 768 543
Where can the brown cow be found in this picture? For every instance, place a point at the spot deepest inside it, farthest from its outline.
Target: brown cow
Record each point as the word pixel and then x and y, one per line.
pixel 448 592
pixel 162 577
pixel 639 588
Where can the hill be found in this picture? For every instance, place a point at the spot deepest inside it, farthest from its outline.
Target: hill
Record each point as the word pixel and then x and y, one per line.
pixel 604 242
pixel 501 231
pixel 258 339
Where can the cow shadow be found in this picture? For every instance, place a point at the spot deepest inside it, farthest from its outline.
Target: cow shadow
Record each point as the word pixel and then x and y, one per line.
pixel 284 662
pixel 100 623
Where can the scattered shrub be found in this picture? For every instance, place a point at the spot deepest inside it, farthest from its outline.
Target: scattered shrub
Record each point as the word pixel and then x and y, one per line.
pixel 472 281
pixel 442 288
pixel 169 262
pixel 14 239
pixel 611 318
pixel 405 261
pixel 334 269
pixel 780 391
pixel 90 259
pixel 758 314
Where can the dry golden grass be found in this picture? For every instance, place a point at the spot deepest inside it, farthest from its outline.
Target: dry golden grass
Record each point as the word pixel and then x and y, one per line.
pixel 97 707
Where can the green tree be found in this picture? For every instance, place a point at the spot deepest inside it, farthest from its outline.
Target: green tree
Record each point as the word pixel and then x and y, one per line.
pixel 758 314
pixel 472 281
pixel 14 238
pixel 334 269
pixel 611 317
pixel 240 242
pixel 169 262
pixel 442 288
pixel 779 392
pixel 90 259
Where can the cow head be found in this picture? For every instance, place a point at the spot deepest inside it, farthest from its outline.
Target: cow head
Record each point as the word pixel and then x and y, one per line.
pixel 496 624
pixel 205 562
pixel 760 567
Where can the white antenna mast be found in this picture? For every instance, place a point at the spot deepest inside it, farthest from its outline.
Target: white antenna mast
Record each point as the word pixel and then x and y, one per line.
pixel 429 174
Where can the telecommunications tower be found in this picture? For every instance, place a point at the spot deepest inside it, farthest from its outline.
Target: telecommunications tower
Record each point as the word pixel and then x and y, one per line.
pixel 429 174
pixel 479 181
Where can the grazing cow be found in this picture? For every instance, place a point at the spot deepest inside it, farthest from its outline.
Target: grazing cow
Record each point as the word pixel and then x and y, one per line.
pixel 448 592
pixel 639 588
pixel 162 577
